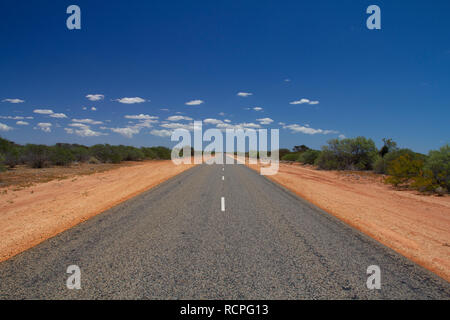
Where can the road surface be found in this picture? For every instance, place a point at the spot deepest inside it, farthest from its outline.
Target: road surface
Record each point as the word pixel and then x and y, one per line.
pixel 215 232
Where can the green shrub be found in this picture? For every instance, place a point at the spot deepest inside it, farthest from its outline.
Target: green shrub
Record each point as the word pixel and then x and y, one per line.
pixel 2 166
pixel 60 156
pixel 381 164
pixel 93 160
pixel 437 167
pixel 13 157
pixel 290 157
pixel 309 157
pixel 36 155
pixel 348 154
pixel 149 153
pixel 404 169
pixel 162 153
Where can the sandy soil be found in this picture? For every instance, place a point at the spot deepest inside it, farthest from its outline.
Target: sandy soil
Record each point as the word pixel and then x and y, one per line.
pixel 23 176
pixel 416 226
pixel 32 214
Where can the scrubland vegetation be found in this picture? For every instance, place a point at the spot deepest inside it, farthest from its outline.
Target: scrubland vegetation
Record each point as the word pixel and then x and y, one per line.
pixel 404 168
pixel 64 154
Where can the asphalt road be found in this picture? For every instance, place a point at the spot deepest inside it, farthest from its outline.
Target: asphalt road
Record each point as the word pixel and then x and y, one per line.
pixel 176 242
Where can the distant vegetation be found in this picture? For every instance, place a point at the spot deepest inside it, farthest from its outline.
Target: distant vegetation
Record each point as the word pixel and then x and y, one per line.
pixel 64 154
pixel 403 167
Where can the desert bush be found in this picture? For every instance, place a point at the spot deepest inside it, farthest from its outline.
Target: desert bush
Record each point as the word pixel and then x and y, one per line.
pixel 283 152
pixel 106 153
pixel 132 154
pixel 80 153
pixel 381 164
pixel 36 155
pixel 2 165
pixel 348 154
pixel 6 145
pixel 93 160
pixel 149 153
pixel 61 156
pixel 162 153
pixel 290 157
pixel 301 148
pixel 405 169
pixel 13 157
pixel 389 145
pixel 309 157
pixel 437 167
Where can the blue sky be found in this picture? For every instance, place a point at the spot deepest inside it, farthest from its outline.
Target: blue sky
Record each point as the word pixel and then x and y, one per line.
pixel 392 82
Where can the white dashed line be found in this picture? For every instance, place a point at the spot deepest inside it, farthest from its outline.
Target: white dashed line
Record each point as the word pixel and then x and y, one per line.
pixel 222 204
pixel 223 169
pixel 223 178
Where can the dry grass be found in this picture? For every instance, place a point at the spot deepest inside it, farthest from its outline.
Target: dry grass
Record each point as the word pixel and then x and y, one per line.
pixel 23 176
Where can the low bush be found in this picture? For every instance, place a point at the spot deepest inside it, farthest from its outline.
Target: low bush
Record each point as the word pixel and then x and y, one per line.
pixel 290 157
pixel 36 155
pixel 404 169
pixel 437 167
pixel 309 157
pixel 60 156
pixel 348 154
pixel 13 157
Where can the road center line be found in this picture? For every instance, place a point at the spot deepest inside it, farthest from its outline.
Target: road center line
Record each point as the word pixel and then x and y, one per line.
pixel 223 178
pixel 222 204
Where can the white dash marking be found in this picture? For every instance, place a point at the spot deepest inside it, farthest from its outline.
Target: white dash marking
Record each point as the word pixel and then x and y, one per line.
pixel 222 204
pixel 223 178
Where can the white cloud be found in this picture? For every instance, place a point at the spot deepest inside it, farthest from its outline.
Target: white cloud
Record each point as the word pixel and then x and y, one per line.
pixel 131 130
pixel 222 114
pixel 212 121
pixel 178 118
pixel 95 97
pixel 287 80
pixel 302 101
pixel 194 102
pixel 83 130
pixel 43 111
pixel 164 109
pixel 176 125
pixel 22 123
pixel 238 126
pixel 244 94
pixel 4 127
pixel 227 120
pixel 89 121
pixel 78 125
pixel 250 125
pixel 161 133
pixel 45 126
pixel 93 109
pixel 13 100
pixel 306 129
pixel 341 136
pixel 58 115
pixel 130 100
pixel 257 108
pixel 141 117
pixel 265 121
pixel 127 131
pixel 15 117
pixel 281 123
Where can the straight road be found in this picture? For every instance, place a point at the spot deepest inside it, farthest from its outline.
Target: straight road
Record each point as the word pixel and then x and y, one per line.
pixel 201 236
